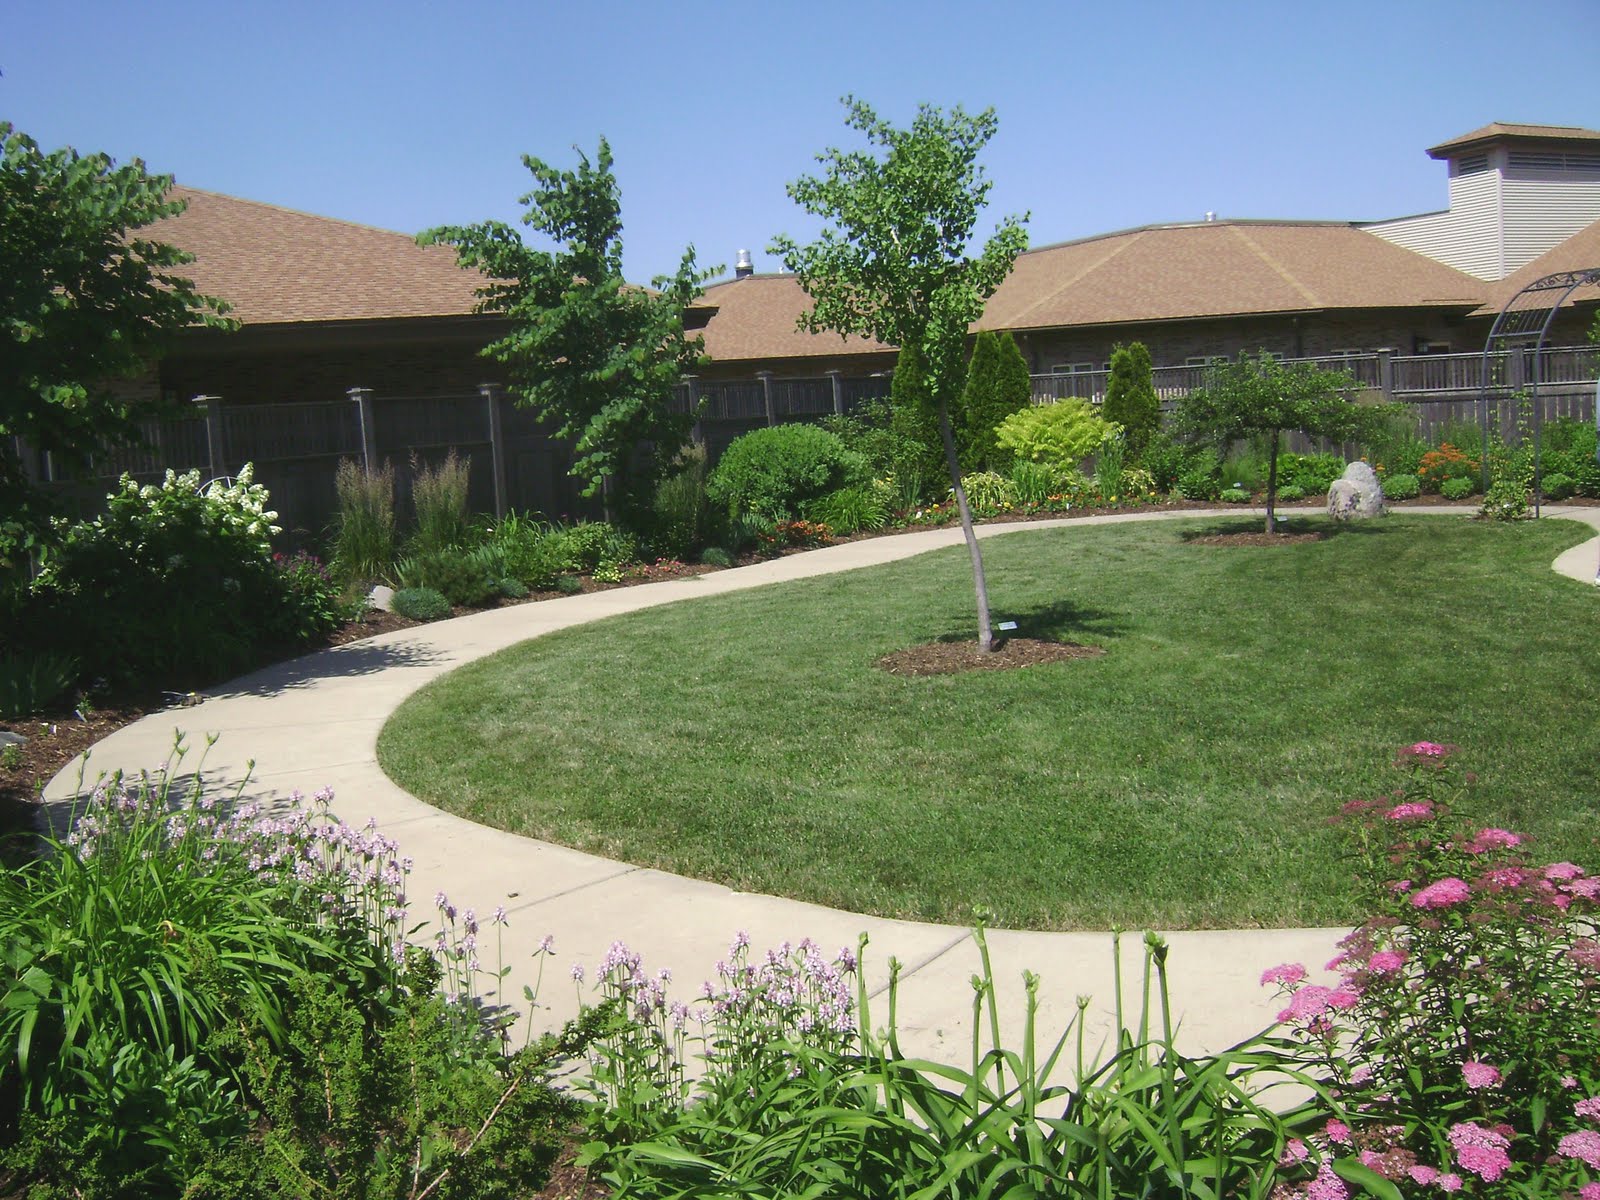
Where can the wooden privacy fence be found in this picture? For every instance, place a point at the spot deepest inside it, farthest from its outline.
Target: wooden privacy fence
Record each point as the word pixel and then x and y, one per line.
pixel 1441 389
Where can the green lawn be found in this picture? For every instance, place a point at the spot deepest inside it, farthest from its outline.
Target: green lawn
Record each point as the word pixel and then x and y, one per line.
pixel 1185 779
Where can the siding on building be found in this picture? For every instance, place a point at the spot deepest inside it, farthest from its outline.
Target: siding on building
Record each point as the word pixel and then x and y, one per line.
pixel 1543 208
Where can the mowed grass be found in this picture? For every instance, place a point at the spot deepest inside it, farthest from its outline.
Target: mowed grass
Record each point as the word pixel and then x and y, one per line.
pixel 1184 780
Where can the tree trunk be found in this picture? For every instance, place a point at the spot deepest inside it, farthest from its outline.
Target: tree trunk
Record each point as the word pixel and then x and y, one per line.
pixel 985 633
pixel 1272 482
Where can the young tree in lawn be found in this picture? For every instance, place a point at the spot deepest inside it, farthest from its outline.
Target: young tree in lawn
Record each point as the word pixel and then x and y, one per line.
pixel 1131 397
pixel 592 355
pixel 84 299
pixel 892 261
pixel 1257 394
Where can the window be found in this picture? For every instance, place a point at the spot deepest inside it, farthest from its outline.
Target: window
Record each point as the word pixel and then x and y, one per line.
pixel 1424 346
pixel 1072 368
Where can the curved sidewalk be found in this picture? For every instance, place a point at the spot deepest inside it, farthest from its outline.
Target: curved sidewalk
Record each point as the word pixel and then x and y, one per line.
pixel 314 722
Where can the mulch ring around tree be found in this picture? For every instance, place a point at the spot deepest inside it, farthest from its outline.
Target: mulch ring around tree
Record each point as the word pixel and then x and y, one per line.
pixel 950 658
pixel 1259 537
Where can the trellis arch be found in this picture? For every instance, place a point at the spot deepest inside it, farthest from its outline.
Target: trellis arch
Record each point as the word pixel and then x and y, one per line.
pixel 1525 320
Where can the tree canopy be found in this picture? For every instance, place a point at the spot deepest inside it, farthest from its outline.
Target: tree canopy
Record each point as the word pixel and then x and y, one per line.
pixel 593 355
pixel 893 260
pixel 84 300
pixel 1259 395
pixel 1131 396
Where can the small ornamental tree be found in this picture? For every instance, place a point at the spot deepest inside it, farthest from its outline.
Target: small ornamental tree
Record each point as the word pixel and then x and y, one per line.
pixel 1257 394
pixel 997 386
pixel 892 261
pixel 84 298
pixel 1131 397
pixel 593 355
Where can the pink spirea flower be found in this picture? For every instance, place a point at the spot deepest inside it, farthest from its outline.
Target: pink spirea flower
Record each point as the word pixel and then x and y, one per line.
pixel 1589 1191
pixel 1338 1132
pixel 1587 889
pixel 1486 1162
pixel 1311 1003
pixel 1480 1075
pixel 1287 974
pixel 1563 870
pixel 1422 1173
pixel 1569 1081
pixel 1449 1182
pixel 1327 1185
pixel 1385 962
pixel 1588 1108
pixel 1585 1145
pixel 1414 810
pixel 1294 1151
pixel 1493 839
pixel 1442 893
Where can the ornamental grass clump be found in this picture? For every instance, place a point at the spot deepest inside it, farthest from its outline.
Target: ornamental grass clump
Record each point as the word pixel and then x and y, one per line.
pixel 1461 1039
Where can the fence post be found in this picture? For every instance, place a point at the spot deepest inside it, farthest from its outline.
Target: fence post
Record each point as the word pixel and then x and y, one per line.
pixel 214 447
pixel 1386 375
pixel 697 431
pixel 838 393
pixel 766 396
pixel 369 435
pixel 497 445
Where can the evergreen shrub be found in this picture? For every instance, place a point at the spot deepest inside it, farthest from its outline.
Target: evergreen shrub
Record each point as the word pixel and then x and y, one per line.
pixel 772 473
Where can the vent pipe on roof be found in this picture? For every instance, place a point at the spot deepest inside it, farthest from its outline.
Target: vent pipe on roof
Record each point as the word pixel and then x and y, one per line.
pixel 742 269
pixel 1211 216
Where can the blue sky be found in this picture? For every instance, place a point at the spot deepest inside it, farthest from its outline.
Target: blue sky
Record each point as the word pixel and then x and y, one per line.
pixel 407 114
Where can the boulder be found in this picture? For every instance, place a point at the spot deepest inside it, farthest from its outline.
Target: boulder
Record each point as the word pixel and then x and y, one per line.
pixel 1356 495
pixel 381 598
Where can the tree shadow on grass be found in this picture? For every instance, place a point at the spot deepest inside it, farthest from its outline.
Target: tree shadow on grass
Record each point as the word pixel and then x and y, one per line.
pixel 1055 621
pixel 1296 524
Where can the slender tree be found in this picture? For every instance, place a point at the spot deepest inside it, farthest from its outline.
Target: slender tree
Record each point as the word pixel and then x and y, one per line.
pixel 85 297
pixel 1260 395
pixel 591 354
pixel 1131 397
pixel 892 261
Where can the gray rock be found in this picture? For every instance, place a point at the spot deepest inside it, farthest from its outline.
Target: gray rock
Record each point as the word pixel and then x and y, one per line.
pixel 1356 495
pixel 7 738
pixel 381 598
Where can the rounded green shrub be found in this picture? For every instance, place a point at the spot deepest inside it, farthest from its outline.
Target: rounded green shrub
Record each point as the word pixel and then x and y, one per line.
pixel 1234 495
pixel 1062 433
pixel 568 585
pixel 470 578
pixel 772 473
pixel 989 492
pixel 1402 487
pixel 513 589
pixel 1199 484
pixel 850 510
pixel 1457 489
pixel 1291 494
pixel 1557 486
pixel 420 604
pixel 716 556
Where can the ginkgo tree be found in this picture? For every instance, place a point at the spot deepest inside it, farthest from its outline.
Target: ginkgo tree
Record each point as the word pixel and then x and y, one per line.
pixel 894 259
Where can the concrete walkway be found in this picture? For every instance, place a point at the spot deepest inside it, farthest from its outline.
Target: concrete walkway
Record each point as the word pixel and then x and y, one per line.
pixel 314 723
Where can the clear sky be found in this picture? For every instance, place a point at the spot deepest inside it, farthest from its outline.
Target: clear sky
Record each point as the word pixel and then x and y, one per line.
pixel 405 114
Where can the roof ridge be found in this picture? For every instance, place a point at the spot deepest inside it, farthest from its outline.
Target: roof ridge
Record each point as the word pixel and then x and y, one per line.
pixel 298 212
pixel 1158 226
pixel 1278 268
pixel 1087 269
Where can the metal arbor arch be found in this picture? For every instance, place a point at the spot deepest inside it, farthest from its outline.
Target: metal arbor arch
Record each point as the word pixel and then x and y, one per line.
pixel 1526 319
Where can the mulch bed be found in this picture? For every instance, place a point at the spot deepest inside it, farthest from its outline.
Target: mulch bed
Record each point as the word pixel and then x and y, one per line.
pixel 1009 654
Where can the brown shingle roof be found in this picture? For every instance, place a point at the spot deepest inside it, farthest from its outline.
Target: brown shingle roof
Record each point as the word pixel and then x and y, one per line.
pixel 1580 252
pixel 756 318
pixel 1500 130
pixel 275 265
pixel 1220 268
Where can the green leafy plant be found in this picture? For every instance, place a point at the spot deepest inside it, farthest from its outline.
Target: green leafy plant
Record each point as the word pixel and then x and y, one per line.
pixel 773 473
pixel 1310 473
pixel 590 543
pixel 852 509
pixel 681 513
pixel 470 578
pixel 1291 493
pixel 1108 464
pixel 1458 489
pixel 716 556
pixel 997 386
pixel 1235 494
pixel 420 604
pixel 989 492
pixel 1557 486
pixel 568 585
pixel 363 531
pixel 1060 434
pixel 1034 483
pixel 1200 482
pixel 315 600
pixel 1402 487
pixel 31 681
